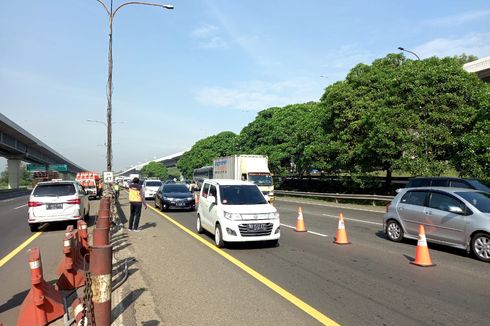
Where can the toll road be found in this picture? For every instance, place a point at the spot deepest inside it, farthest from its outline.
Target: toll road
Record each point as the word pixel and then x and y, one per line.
pixel 369 282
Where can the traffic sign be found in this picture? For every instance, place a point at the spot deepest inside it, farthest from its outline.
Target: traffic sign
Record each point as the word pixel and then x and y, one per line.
pixel 35 167
pixel 108 177
pixel 58 167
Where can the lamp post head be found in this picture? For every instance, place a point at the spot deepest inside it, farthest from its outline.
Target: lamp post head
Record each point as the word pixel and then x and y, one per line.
pixel 168 6
pixel 401 49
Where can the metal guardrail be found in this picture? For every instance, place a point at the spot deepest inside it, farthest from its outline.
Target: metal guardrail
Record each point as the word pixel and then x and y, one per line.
pixel 372 198
pixel 10 193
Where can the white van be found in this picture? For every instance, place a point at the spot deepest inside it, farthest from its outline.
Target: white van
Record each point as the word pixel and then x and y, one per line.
pixel 56 201
pixel 236 211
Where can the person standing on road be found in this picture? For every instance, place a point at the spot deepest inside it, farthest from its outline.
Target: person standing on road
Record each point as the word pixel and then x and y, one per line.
pixel 136 200
pixel 116 190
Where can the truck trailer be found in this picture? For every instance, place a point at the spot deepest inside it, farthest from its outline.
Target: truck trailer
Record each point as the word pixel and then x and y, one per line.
pixel 251 168
pixel 89 181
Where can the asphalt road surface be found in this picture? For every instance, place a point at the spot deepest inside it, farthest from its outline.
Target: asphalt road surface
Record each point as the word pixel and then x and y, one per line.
pixel 369 282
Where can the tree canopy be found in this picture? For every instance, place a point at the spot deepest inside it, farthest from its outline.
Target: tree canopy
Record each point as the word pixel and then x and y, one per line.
pixel 407 115
pixel 155 170
pixel 205 150
pixel 281 133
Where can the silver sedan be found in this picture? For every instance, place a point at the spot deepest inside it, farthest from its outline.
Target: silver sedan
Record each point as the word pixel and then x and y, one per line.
pixel 451 216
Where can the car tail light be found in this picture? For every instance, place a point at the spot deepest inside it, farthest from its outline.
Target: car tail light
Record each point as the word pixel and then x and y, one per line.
pixel 73 201
pixel 388 207
pixel 34 204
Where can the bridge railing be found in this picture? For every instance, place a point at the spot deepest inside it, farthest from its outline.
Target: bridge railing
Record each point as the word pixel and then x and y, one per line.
pixel 372 198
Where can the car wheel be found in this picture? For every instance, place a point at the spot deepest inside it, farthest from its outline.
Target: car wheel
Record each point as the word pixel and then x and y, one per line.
pixel 394 231
pixel 198 225
pixel 218 237
pixel 480 246
pixel 156 202
pixel 34 227
pixel 162 207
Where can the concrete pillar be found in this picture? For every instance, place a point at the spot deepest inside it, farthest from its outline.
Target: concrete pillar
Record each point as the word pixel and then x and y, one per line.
pixel 13 167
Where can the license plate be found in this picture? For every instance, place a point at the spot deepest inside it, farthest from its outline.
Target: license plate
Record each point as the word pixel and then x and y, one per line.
pixel 256 227
pixel 180 204
pixel 54 206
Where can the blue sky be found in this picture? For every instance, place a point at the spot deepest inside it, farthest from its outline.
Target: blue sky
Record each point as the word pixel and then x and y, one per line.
pixel 205 67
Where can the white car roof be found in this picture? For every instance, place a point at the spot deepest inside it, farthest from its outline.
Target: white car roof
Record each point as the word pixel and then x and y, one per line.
pixel 228 182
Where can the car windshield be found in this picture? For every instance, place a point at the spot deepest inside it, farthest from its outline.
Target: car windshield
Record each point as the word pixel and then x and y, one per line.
pixel 175 188
pixel 481 200
pixel 478 185
pixel 241 195
pixel 54 190
pixel 260 179
pixel 153 183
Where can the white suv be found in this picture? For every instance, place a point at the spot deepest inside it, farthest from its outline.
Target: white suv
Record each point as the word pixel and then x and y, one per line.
pixel 150 187
pixel 56 201
pixel 236 211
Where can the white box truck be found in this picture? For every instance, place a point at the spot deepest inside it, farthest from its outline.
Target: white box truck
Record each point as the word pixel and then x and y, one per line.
pixel 252 168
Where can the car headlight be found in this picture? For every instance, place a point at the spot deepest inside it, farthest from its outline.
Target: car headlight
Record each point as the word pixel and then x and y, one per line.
pixel 232 216
pixel 168 198
pixel 273 216
pixel 190 198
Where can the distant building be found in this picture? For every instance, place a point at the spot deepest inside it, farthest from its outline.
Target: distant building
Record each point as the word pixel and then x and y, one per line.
pixel 480 67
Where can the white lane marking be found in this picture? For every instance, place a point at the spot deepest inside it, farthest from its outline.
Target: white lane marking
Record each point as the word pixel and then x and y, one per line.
pixel 20 206
pixel 315 233
pixel 353 219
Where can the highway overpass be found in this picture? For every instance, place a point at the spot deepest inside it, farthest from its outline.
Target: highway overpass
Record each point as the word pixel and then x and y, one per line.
pixel 480 67
pixel 169 161
pixel 16 145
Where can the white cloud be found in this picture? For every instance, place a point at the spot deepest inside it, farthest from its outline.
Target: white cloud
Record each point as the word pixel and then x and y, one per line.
pixel 474 43
pixel 204 31
pixel 208 37
pixel 460 19
pixel 259 95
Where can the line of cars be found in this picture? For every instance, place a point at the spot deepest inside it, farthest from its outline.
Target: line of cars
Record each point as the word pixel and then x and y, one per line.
pixel 455 212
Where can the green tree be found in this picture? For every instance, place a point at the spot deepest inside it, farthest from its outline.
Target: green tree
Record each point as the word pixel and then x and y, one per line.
pixel 173 172
pixel 281 133
pixel 402 114
pixel 465 58
pixel 25 177
pixel 205 150
pixel 155 170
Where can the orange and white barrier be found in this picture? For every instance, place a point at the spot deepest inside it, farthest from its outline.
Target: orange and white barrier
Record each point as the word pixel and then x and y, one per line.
pixel 43 304
pixel 300 222
pixel 422 257
pixel 341 237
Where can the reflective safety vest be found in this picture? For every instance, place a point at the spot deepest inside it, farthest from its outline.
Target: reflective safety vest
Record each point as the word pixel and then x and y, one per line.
pixel 134 195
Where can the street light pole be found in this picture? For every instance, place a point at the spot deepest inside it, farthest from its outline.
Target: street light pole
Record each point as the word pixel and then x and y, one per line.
pixel 111 13
pixel 403 49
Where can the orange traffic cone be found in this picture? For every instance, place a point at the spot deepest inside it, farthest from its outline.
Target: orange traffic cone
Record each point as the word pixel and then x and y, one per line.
pixel 300 223
pixel 422 257
pixel 341 237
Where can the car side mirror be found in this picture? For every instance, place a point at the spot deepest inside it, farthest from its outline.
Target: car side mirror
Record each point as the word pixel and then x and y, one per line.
pixel 455 210
pixel 212 199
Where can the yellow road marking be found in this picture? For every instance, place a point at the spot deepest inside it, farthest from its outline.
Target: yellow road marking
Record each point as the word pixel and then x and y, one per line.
pixel 22 246
pixel 264 280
